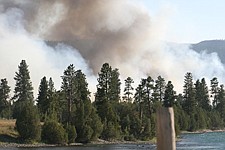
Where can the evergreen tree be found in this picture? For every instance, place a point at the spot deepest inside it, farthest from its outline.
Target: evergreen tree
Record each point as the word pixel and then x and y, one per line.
pixel 159 90
pixel 128 89
pixel 23 88
pixel 53 133
pixel 53 99
pixel 96 124
pixel 148 91
pixel 103 83
pixel 42 100
pixel 202 96
pixel 69 89
pixel 23 92
pixel 189 94
pixel 214 91
pixel 169 98
pixel 82 92
pixel 139 99
pixel 28 123
pixel 190 103
pixel 106 98
pixel 146 134
pixel 4 99
pixel 108 88
pixel 114 86
pixel 221 102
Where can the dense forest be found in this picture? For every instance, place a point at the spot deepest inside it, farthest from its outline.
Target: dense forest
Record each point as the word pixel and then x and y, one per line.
pixel 68 115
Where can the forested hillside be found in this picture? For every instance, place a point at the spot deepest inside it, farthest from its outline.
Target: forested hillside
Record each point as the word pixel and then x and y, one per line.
pixel 211 46
pixel 70 116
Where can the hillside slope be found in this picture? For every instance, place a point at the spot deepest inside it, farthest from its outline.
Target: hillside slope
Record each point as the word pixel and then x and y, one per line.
pixel 211 46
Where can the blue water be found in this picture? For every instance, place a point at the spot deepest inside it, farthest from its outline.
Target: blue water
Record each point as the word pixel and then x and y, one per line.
pixel 202 141
pixel 197 141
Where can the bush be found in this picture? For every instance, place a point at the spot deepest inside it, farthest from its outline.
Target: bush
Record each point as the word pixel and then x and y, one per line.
pixel 72 134
pixel 85 134
pixel 53 133
pixel 28 124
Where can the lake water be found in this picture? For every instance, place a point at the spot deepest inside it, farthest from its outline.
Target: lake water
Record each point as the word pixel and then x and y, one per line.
pixel 198 141
pixel 202 141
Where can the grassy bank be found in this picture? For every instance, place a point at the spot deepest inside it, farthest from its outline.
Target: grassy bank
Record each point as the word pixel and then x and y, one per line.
pixel 8 134
pixel 9 137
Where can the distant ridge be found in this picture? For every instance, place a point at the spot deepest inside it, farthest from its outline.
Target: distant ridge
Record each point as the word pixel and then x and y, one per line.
pixel 211 46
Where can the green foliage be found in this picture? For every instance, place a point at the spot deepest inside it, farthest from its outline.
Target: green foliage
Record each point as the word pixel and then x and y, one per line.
pixel 23 92
pixel 23 88
pixel 159 89
pixel 108 117
pixel 146 134
pixel 28 123
pixel 110 131
pixel 5 106
pixel 72 134
pixel 85 134
pixel 108 88
pixel 128 89
pixel 42 100
pixel 96 124
pixel 54 133
pixel 169 98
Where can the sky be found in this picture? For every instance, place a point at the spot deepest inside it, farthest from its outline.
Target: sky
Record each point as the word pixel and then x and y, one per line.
pixel 190 21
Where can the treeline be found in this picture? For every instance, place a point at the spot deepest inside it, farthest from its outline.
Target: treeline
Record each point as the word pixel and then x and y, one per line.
pixel 68 115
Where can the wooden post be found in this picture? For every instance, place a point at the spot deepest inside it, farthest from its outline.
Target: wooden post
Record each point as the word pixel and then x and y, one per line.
pixel 166 138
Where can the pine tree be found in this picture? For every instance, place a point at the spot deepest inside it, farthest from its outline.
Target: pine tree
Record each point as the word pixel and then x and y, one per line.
pixel 214 91
pixel 23 88
pixel 159 89
pixel 169 98
pixel 5 105
pixel 114 86
pixel 53 99
pixel 190 103
pixel 189 94
pixel 128 89
pixel 221 102
pixel 108 88
pixel 82 92
pixel 23 92
pixel 139 99
pixel 28 123
pixel 27 119
pixel 148 91
pixel 103 83
pixel 42 100
pixel 202 96
pixel 69 89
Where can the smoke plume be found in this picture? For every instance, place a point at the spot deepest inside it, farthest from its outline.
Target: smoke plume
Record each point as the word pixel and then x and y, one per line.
pixel 121 32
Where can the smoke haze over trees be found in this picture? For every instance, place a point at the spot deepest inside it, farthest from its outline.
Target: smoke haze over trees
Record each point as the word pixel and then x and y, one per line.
pixel 88 34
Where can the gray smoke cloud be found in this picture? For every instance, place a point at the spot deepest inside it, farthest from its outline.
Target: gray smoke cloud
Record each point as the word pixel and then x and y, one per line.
pixel 120 32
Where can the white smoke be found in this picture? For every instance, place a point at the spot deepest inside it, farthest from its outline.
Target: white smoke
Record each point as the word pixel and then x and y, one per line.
pixel 17 44
pixel 122 33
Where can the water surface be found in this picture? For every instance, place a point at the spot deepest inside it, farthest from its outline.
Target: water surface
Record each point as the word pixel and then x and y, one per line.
pixel 192 141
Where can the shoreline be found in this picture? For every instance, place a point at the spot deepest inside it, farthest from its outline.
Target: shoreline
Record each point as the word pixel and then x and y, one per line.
pixel 202 131
pixel 97 142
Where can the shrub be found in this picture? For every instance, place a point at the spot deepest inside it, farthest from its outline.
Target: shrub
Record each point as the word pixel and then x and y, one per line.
pixel 28 124
pixel 53 133
pixel 72 134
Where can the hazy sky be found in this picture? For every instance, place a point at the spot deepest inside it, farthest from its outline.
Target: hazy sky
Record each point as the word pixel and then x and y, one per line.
pixel 191 20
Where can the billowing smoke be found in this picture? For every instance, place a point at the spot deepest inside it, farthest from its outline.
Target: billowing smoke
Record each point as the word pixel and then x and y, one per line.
pixel 120 32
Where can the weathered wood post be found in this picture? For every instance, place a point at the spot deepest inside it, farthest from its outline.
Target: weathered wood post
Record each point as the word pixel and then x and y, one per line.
pixel 166 138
